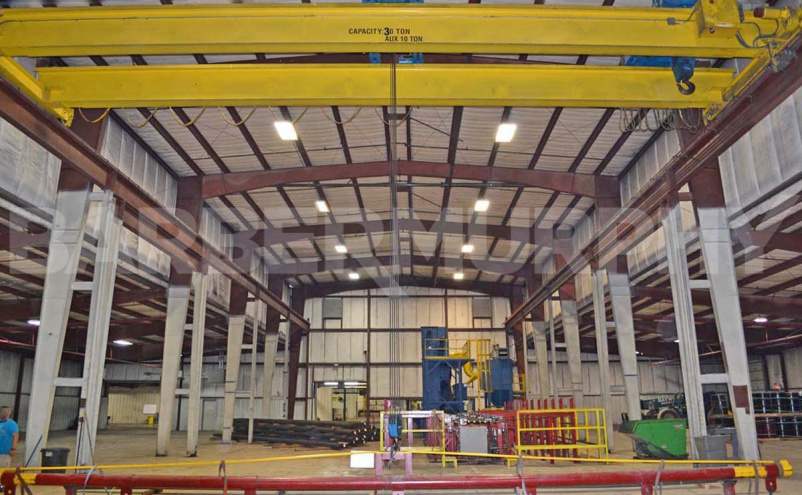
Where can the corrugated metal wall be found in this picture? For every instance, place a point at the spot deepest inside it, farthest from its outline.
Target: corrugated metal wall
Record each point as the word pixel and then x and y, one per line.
pixel 65 403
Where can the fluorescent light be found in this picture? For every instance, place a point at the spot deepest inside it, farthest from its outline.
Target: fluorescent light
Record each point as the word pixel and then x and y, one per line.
pixel 459 276
pixel 352 384
pixel 322 206
pixel 286 131
pixel 676 341
pixel 467 248
pixel 123 343
pixel 353 276
pixel 35 323
pixel 481 205
pixel 761 319
pixel 340 248
pixel 505 133
pixel 331 384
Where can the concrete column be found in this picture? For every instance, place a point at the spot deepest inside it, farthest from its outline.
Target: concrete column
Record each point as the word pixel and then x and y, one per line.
pixel 252 383
pixel 542 356
pixel 573 353
pixel 177 304
pixel 97 335
pixel 66 240
pixel 600 319
pixel 686 329
pixel 621 302
pixel 553 342
pixel 716 243
pixel 200 284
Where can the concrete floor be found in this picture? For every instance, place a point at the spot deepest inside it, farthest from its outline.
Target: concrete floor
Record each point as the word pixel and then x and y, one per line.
pixel 137 445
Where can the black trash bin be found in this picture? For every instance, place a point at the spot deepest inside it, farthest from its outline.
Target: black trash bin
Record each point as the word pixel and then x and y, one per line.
pixel 55 457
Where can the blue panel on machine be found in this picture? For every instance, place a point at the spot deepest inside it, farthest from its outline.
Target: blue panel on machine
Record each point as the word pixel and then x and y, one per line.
pixel 439 370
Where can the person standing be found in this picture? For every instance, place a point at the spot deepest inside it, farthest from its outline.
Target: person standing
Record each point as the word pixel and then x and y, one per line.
pixel 9 436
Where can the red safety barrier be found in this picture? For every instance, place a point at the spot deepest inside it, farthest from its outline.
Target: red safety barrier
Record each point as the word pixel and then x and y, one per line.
pixel 645 479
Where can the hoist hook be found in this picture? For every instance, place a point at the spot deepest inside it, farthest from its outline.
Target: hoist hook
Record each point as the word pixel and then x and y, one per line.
pixel 686 87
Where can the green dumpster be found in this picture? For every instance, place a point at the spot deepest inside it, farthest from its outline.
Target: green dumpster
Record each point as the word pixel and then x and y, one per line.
pixel 658 438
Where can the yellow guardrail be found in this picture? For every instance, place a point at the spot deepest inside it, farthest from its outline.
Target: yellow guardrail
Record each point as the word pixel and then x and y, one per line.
pixel 563 431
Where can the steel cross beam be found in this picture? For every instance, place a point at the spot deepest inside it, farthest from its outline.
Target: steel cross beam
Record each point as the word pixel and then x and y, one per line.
pixel 628 227
pixel 141 213
pixel 588 185
pixel 492 29
pixel 246 85
pixel 279 235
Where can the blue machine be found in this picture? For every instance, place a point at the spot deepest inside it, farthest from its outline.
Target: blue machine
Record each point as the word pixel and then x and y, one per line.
pixel 443 385
pixel 438 371
pixel 501 380
pixel 683 67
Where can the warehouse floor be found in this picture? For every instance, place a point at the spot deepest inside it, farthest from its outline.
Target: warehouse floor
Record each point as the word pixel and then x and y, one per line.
pixel 136 445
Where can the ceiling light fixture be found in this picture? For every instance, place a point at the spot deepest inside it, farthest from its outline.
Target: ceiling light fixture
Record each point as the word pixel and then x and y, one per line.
pixel 353 276
pixel 35 323
pixel 286 130
pixel 322 206
pixel 761 319
pixel 467 248
pixel 505 133
pixel 676 341
pixel 481 205
pixel 122 343
pixel 459 276
pixel 340 248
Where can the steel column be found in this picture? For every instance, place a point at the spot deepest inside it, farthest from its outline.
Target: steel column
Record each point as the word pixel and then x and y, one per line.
pixel 236 330
pixel 573 352
pixel 621 302
pixel 269 371
pixel 97 334
pixel 542 355
pixel 66 241
pixel 603 356
pixel 177 305
pixel 716 244
pixel 199 289
pixel 686 330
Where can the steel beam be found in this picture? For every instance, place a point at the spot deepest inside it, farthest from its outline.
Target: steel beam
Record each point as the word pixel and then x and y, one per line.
pixel 328 288
pixel 602 352
pixel 496 29
pixel 579 184
pixel 177 305
pixel 677 259
pixel 66 241
pixel 199 292
pixel 103 281
pixel 143 214
pixel 22 309
pixel 621 303
pixel 781 307
pixel 369 85
pixel 279 235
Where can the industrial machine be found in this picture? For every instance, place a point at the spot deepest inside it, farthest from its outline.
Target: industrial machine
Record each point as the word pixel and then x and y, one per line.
pixel 658 438
pixel 449 366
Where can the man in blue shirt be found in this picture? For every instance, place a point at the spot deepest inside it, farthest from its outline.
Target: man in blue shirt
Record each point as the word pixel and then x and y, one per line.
pixel 9 436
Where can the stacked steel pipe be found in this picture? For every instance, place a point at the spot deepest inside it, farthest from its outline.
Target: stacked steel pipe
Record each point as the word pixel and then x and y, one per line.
pixel 331 434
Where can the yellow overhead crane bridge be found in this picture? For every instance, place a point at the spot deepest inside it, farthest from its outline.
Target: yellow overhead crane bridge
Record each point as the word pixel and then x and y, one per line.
pixel 713 29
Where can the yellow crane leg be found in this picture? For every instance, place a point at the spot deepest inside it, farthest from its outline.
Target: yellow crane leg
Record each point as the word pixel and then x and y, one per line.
pixel 391 28
pixel 216 85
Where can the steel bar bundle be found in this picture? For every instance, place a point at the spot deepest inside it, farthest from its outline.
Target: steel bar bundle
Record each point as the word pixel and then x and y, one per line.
pixel 329 434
